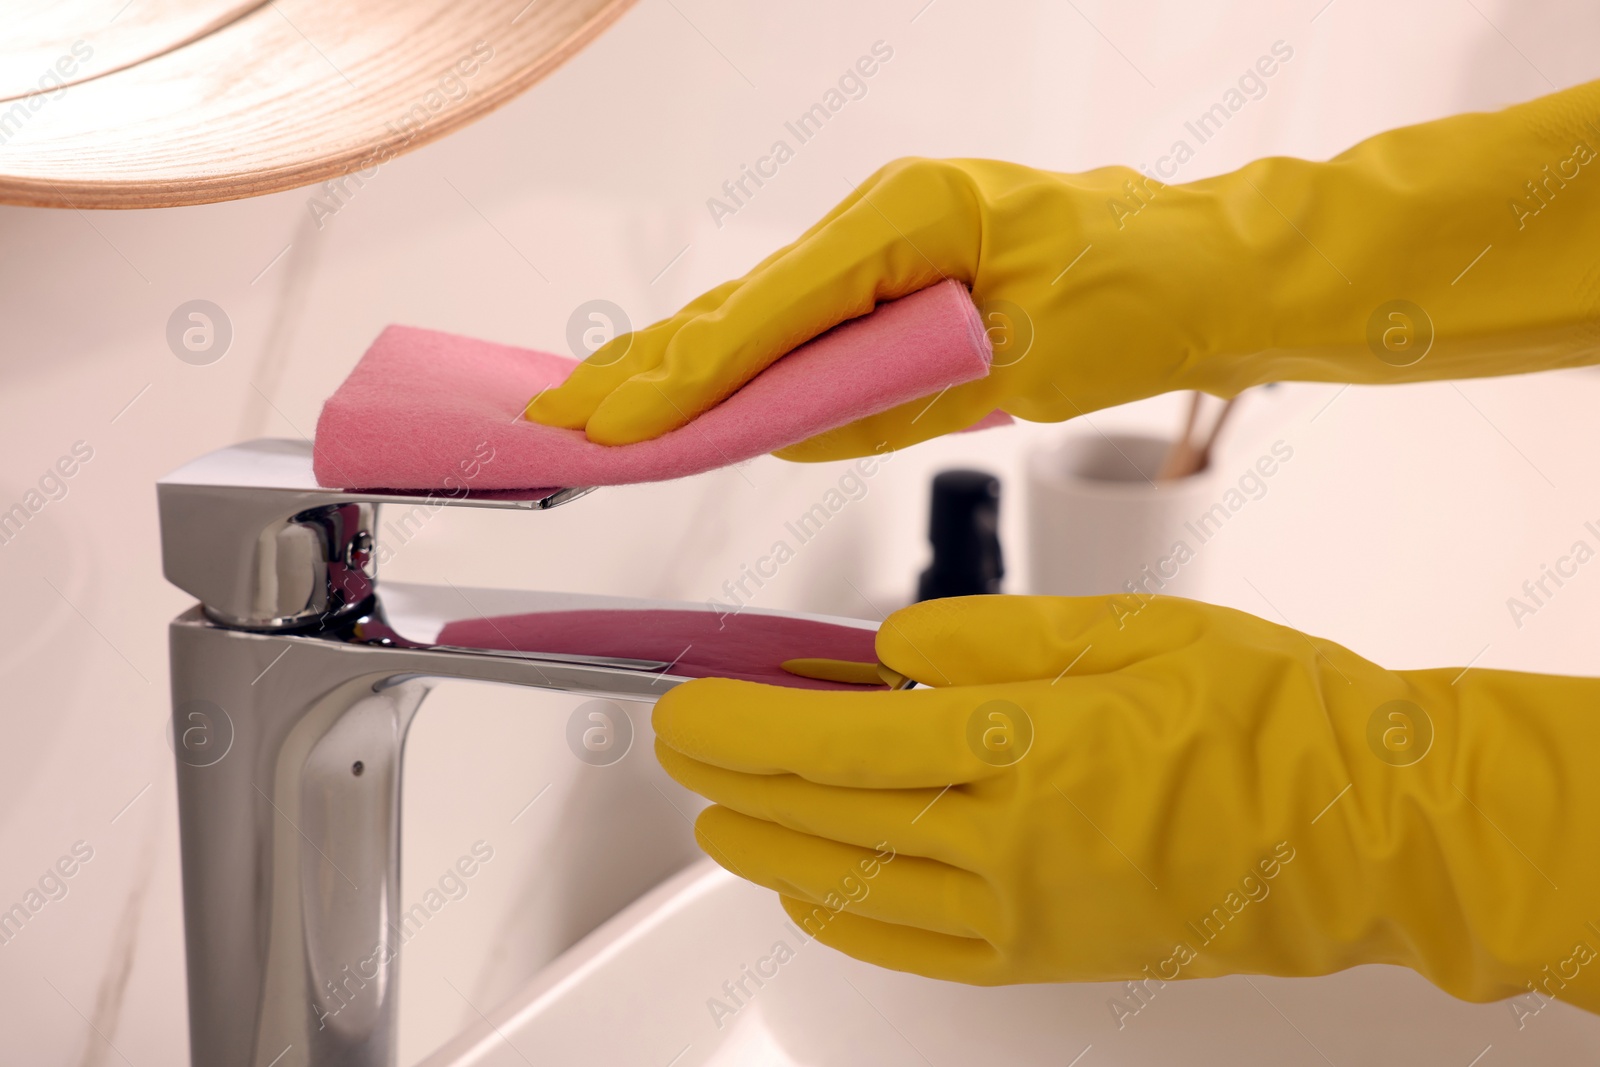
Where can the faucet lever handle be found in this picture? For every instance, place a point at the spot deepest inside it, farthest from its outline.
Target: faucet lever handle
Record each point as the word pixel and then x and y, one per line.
pixel 276 465
pixel 249 532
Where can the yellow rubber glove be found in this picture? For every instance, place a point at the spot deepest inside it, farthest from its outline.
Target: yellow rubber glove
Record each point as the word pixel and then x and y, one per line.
pixel 1460 247
pixel 1149 788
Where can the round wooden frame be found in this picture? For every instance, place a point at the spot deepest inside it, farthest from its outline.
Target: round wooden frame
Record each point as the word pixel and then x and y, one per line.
pixel 235 98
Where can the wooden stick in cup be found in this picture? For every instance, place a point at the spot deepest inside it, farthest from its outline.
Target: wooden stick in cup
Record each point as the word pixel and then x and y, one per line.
pixel 1189 455
pixel 1180 457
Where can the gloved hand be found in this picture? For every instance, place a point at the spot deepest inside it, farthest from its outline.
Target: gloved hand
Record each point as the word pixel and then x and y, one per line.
pixel 1148 788
pixel 1450 249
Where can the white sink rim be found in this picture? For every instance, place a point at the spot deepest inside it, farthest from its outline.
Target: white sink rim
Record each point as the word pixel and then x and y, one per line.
pixel 610 939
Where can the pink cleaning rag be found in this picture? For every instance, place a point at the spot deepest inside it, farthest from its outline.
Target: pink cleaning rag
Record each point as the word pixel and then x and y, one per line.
pixel 425 410
pixel 696 644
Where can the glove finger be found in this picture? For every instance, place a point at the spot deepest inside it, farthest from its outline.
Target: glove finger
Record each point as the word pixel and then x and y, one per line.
pixel 968 960
pixel 572 403
pixel 875 883
pixel 907 424
pixel 984 640
pixel 861 817
pixel 874 740
pixel 864 255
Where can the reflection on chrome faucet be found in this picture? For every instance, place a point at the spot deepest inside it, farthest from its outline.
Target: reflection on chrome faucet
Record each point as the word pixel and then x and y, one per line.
pixel 290 824
pixel 338 993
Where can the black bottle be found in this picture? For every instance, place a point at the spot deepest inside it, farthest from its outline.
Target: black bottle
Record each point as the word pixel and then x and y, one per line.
pixel 964 526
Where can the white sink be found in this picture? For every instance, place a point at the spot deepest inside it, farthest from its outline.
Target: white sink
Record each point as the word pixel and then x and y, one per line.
pixel 641 990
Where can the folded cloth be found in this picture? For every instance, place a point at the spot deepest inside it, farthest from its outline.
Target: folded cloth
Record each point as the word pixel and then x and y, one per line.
pixel 425 410
pixel 697 644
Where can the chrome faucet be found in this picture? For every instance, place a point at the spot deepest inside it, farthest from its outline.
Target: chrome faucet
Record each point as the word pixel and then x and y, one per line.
pixel 293 683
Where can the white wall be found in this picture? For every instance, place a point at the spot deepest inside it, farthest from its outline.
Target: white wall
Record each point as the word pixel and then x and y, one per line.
pixel 1409 517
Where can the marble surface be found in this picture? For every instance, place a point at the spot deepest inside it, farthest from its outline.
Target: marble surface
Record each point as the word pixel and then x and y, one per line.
pixel 1407 518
